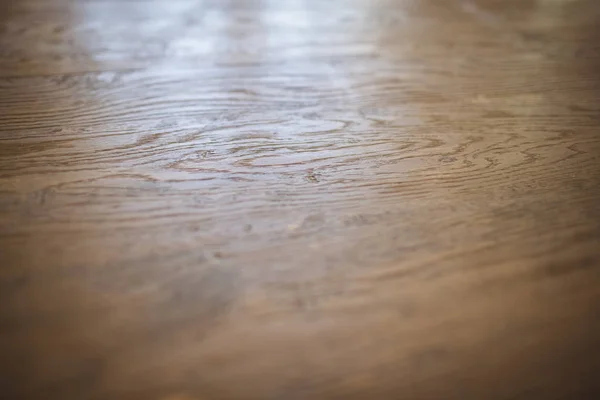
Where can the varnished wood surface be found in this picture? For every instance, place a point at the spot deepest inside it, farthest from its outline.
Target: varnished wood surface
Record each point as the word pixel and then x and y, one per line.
pixel 299 199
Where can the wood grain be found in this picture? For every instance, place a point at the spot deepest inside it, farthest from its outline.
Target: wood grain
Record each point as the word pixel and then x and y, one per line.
pixel 342 199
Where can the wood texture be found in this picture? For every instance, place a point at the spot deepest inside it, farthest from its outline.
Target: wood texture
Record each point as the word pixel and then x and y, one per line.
pixel 341 199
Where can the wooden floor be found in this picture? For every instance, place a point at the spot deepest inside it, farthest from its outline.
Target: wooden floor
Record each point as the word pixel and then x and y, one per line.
pixel 299 199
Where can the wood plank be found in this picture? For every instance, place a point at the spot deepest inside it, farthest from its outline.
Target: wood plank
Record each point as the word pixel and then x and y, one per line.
pixel 350 199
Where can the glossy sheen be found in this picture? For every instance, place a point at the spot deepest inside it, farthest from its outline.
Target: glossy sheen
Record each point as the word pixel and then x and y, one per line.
pixel 299 199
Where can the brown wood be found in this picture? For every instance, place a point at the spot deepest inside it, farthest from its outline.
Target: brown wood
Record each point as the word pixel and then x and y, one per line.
pixel 341 199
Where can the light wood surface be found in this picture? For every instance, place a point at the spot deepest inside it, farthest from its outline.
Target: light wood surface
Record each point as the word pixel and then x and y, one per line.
pixel 299 199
